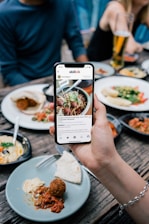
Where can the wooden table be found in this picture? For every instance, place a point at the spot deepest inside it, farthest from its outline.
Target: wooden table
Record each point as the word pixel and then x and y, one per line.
pixel 100 207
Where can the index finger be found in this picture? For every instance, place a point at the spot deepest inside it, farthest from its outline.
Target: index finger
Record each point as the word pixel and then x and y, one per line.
pixel 100 114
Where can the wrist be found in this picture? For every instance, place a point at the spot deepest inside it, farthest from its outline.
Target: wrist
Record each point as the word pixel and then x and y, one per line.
pixel 108 168
pixel 120 179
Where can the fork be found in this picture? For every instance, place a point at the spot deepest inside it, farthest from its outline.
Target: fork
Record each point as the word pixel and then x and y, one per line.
pixel 52 158
pixel 48 160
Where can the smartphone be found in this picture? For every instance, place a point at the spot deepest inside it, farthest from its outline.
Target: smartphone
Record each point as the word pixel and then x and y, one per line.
pixel 73 90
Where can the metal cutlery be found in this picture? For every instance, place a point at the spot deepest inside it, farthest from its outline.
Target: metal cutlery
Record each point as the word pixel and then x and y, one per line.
pixel 16 128
pixel 53 158
pixel 70 88
pixel 90 172
pixel 74 85
pixel 48 160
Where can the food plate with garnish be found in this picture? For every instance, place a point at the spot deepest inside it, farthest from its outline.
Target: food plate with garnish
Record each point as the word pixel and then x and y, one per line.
pixel 131 58
pixel 133 71
pixel 36 116
pixel 115 126
pixel 124 93
pixel 19 200
pixel 102 69
pixel 136 123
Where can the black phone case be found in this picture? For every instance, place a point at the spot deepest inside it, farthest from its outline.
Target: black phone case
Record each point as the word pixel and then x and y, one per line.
pixel 83 84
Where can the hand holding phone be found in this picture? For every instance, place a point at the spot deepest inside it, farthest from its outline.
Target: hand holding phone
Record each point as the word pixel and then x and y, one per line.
pixel 73 87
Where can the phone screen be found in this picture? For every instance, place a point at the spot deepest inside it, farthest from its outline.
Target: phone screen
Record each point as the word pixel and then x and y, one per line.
pixel 74 84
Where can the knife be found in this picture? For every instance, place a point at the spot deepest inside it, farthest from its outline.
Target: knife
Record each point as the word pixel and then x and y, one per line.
pixel 90 172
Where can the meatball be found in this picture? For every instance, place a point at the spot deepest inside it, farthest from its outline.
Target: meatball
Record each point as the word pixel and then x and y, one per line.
pixel 57 187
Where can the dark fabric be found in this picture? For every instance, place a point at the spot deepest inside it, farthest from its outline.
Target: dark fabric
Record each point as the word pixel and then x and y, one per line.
pixel 31 38
pixel 100 46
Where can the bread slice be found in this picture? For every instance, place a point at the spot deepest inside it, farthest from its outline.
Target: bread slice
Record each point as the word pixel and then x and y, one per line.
pixel 119 101
pixel 38 97
pixel 68 168
pixel 109 92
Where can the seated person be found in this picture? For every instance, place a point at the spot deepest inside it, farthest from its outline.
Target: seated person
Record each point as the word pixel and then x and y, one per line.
pixel 31 34
pixel 100 47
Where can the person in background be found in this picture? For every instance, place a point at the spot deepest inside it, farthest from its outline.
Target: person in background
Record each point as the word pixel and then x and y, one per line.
pixel 141 34
pixel 87 14
pixel 102 158
pixel 31 34
pixel 100 46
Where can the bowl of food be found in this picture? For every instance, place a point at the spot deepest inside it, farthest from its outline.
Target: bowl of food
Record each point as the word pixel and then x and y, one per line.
pixel 74 102
pixel 13 153
pixel 49 92
pixel 136 123
pixel 133 71
pixel 131 58
pixel 115 126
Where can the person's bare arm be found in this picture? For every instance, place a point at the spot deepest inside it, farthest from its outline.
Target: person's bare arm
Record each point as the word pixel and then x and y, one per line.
pixel 125 184
pixel 132 46
pixel 108 21
pixel 116 175
pixel 102 158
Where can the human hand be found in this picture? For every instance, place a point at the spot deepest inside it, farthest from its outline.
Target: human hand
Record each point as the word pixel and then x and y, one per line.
pixel 101 150
pixel 132 46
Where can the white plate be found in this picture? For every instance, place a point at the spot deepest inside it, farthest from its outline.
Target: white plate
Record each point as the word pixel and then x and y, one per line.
pixel 75 195
pixel 10 111
pixel 123 81
pixel 145 65
pixel 105 67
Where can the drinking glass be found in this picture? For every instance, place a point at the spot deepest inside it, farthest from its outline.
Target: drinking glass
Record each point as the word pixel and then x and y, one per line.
pixel 121 33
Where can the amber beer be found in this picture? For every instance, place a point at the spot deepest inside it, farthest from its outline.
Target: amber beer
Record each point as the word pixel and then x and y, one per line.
pixel 119 43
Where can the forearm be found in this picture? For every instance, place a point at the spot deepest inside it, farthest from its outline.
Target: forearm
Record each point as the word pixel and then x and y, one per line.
pixel 14 78
pixel 124 183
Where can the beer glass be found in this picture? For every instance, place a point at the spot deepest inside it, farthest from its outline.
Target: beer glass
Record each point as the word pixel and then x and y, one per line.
pixel 120 36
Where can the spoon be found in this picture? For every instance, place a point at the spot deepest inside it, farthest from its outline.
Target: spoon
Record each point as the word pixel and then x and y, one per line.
pixel 71 87
pixel 16 128
pixel 74 85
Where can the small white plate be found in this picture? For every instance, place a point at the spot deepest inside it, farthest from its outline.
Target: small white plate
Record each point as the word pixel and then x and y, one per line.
pixel 145 65
pixel 102 69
